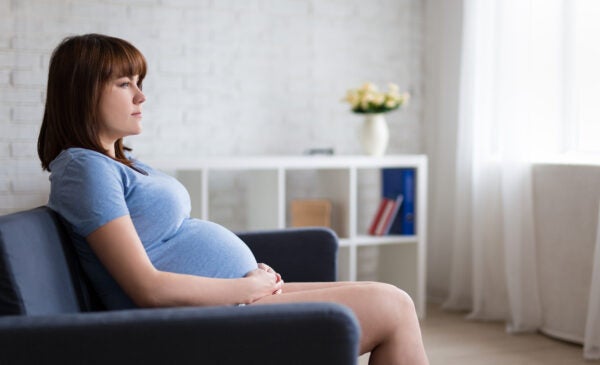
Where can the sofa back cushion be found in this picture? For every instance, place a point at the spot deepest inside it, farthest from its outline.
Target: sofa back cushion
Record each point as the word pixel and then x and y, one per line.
pixel 38 269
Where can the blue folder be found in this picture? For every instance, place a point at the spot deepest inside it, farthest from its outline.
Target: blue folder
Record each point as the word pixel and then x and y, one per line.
pixel 396 182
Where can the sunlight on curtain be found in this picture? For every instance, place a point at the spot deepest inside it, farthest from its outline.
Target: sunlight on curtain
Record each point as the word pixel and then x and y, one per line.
pixel 584 30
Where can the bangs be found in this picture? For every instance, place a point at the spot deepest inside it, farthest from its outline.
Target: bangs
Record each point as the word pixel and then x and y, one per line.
pixel 123 60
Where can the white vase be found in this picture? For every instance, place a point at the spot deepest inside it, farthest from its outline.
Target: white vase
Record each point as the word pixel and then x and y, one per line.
pixel 374 135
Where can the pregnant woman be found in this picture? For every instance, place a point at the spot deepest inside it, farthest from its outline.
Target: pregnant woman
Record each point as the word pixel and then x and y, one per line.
pixel 130 224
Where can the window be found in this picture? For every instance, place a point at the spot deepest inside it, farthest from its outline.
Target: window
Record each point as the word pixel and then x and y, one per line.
pixel 583 67
pixel 564 70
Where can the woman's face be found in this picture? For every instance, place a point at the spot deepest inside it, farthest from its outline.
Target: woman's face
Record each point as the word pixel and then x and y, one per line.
pixel 120 110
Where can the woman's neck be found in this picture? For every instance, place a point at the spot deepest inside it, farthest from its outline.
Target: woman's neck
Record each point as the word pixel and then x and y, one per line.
pixel 109 146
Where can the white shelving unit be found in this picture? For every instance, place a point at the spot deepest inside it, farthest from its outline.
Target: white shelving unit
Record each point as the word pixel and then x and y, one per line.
pixel 270 183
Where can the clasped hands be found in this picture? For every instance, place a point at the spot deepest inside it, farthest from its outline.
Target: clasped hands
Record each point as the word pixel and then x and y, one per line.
pixel 278 279
pixel 272 283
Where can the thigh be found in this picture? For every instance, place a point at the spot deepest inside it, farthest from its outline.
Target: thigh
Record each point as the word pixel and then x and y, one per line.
pixel 298 287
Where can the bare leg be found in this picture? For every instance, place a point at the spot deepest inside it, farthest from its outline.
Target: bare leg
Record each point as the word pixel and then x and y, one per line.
pixel 387 316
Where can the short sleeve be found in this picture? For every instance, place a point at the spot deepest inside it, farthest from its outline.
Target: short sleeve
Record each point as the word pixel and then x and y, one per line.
pixel 88 191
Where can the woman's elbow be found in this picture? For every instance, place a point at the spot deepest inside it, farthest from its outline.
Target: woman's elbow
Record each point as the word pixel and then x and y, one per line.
pixel 146 294
pixel 147 301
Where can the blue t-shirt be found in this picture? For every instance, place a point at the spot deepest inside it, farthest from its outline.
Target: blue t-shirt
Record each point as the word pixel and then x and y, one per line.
pixel 89 189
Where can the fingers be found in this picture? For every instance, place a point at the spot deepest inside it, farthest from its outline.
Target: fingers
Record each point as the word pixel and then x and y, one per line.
pixel 269 269
pixel 278 280
pixel 279 286
pixel 265 267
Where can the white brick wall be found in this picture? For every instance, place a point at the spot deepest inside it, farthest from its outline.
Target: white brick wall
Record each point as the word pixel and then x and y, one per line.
pixel 231 77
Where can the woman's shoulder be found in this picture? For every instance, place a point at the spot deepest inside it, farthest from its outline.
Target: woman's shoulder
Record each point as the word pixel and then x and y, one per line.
pixel 78 153
pixel 83 159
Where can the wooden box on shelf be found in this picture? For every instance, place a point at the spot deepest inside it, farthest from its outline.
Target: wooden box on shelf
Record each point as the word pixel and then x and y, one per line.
pixel 310 213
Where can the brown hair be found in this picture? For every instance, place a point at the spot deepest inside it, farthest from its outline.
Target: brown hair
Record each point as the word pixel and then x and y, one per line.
pixel 79 69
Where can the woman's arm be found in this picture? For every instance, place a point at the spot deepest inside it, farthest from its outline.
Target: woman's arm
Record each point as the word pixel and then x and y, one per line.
pixel 120 250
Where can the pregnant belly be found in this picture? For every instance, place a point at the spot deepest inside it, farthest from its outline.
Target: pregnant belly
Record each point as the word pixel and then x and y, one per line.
pixel 204 248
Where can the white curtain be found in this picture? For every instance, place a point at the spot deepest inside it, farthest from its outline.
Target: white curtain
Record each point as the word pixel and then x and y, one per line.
pixel 515 94
pixel 494 271
pixel 512 103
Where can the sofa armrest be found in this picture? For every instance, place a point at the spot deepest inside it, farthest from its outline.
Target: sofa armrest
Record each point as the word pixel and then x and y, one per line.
pixel 298 254
pixel 303 333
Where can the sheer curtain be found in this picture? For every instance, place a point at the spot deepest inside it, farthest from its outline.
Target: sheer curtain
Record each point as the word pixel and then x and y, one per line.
pixel 494 239
pixel 513 88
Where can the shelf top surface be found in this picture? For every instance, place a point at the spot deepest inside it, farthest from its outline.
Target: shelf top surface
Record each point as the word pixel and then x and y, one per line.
pixel 288 162
pixel 366 240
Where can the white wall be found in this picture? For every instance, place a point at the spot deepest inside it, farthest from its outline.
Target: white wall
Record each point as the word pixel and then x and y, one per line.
pixel 232 77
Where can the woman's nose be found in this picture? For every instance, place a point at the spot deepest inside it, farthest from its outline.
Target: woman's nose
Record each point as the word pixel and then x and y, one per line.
pixel 139 97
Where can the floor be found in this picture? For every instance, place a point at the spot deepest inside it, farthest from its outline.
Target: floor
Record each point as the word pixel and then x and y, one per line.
pixel 452 340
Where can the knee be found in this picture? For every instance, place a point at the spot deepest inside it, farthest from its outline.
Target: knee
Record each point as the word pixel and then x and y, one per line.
pixel 394 297
pixel 389 308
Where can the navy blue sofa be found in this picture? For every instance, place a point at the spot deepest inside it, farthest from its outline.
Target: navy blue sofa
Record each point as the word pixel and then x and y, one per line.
pixel 49 313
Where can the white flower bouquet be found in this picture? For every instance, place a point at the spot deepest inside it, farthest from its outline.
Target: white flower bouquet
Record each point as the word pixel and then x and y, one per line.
pixel 368 100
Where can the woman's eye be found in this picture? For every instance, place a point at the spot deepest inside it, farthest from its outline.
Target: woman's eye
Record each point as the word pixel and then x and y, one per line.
pixel 124 84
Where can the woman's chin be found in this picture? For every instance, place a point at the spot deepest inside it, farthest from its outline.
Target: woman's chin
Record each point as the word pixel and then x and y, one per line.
pixel 137 131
